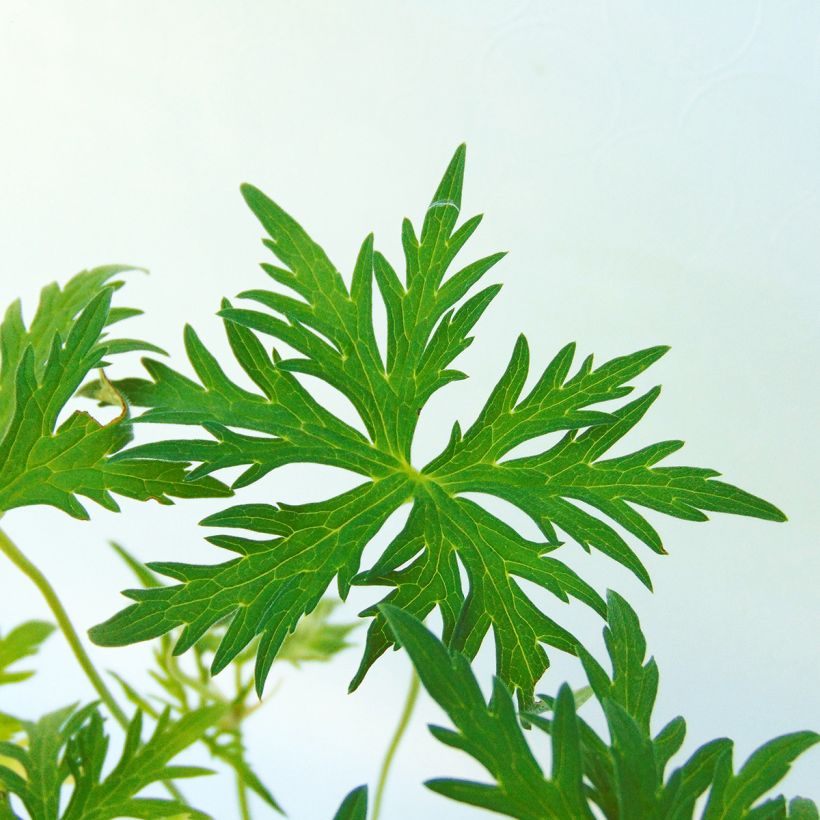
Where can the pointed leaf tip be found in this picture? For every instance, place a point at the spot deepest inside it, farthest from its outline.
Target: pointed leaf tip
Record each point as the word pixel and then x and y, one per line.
pixel 354 806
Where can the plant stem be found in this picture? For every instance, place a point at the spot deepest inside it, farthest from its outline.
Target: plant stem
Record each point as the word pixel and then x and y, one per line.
pixel 242 797
pixel 11 551
pixel 404 720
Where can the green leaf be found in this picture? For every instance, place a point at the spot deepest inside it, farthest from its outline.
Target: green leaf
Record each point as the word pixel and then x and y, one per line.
pixel 634 685
pixel 71 745
pixel 490 732
pixel 244 586
pixel 801 808
pixel 622 777
pixel 44 769
pixel 223 740
pixel 453 555
pixel 41 368
pixel 139 766
pixel 232 752
pixel 693 778
pixel 774 809
pixel 55 316
pixel 764 769
pixel 636 772
pixel 140 571
pixel 354 806
pixel 22 642
pixel 315 639
pixel 9 726
pixel 492 553
pixel 668 742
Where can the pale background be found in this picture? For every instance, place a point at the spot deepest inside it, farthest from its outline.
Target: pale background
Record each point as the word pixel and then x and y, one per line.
pixel 653 169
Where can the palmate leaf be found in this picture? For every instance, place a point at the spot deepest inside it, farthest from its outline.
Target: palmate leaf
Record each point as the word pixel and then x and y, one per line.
pixel 622 777
pixel 41 368
pixel 273 580
pixel 70 746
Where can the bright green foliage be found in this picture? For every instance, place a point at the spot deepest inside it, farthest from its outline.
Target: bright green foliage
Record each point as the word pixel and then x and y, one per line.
pixel 9 727
pixel 183 690
pixel 624 777
pixel 492 734
pixel 354 806
pixel 315 638
pixel 272 581
pixel 41 368
pixel 801 808
pixel 22 642
pixel 70 746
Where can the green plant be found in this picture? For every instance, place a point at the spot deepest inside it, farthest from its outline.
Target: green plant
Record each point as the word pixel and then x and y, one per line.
pixel 273 582
pixel 622 778
pixel 45 461
pixel 22 642
pixel 41 368
pixel 452 554
pixel 183 691
pixel 71 744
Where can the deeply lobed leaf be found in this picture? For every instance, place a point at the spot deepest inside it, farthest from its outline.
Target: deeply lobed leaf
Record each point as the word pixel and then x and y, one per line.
pixel 41 368
pixel 622 777
pixel 452 554
pixel 69 746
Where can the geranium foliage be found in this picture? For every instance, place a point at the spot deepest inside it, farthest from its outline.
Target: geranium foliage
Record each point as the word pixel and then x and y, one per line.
pixel 47 461
pixel 623 776
pixel 453 554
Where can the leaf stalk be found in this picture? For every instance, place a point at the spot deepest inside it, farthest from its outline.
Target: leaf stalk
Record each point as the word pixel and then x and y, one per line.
pixel 401 728
pixel 13 553
pixel 242 799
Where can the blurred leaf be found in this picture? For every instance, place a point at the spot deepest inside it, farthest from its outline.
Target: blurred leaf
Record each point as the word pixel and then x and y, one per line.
pixel 315 638
pixel 22 642
pixel 801 808
pixel 354 806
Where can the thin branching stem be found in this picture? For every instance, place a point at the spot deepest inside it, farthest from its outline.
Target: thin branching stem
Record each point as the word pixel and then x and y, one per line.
pixel 401 728
pixel 242 799
pixel 13 553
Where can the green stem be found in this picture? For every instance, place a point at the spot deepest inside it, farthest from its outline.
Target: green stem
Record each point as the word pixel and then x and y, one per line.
pixel 404 720
pixel 242 798
pixel 39 580
pixel 12 552
pixel 169 786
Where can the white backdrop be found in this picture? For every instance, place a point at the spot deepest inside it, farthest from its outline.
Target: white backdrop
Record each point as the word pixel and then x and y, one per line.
pixel 653 169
